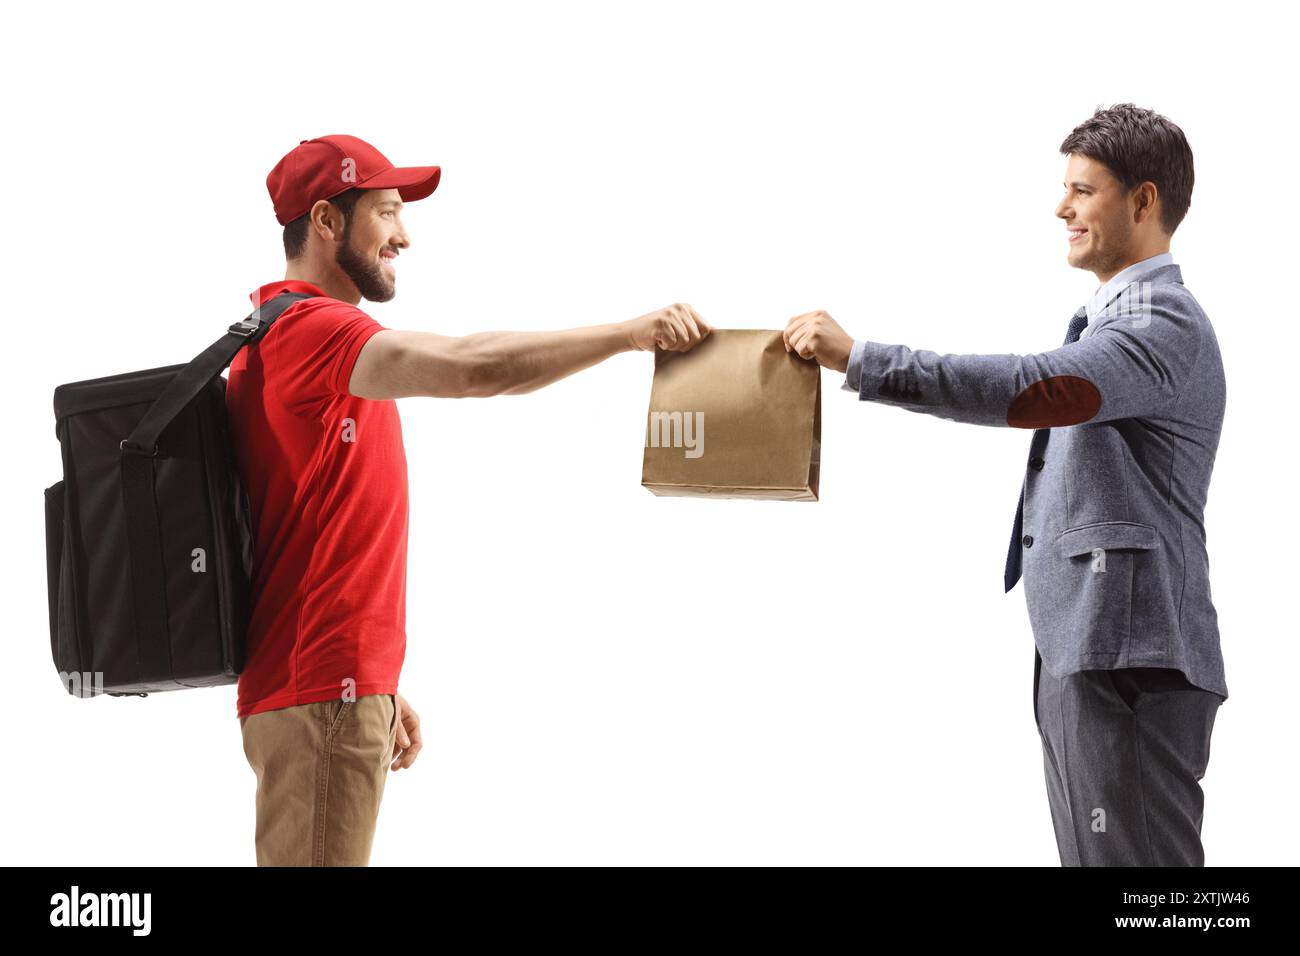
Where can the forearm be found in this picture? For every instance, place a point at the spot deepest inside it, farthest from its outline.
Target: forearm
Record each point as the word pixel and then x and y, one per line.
pixel 514 363
pixel 974 389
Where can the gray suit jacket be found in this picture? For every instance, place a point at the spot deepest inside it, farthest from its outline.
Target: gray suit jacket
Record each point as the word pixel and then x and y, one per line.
pixel 1127 424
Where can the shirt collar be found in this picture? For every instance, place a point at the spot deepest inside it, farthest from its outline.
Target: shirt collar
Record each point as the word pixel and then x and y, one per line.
pixel 1103 296
pixel 272 289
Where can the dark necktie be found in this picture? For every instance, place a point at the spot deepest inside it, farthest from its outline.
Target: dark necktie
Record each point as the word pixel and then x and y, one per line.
pixel 1014 552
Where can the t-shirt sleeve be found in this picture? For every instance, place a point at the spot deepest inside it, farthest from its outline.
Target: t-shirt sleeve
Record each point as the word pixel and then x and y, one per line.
pixel 313 350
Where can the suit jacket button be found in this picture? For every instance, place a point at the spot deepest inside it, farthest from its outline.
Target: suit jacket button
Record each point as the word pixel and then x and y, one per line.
pixel 1036 463
pixel 1027 541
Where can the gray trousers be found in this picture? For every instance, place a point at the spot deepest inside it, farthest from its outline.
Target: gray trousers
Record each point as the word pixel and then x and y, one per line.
pixel 1124 752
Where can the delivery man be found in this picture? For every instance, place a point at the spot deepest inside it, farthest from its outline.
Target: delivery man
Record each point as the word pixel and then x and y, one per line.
pixel 319 444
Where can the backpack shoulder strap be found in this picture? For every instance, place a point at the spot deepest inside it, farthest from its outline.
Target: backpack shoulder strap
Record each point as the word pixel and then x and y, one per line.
pixel 206 366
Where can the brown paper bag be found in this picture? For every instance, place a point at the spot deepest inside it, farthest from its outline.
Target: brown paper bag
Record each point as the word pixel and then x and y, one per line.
pixel 735 417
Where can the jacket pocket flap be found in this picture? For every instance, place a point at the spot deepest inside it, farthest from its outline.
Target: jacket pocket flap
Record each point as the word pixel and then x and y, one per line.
pixel 1105 535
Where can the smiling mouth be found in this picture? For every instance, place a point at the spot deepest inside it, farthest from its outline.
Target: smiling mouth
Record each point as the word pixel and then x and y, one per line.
pixel 1077 234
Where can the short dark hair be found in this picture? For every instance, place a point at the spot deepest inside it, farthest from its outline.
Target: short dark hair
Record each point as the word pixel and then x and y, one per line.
pixel 295 233
pixel 1137 146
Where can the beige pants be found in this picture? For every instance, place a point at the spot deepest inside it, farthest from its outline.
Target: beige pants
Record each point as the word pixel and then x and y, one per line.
pixel 320 776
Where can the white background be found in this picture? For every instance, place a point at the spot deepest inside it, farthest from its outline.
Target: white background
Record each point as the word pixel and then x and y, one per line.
pixel 605 676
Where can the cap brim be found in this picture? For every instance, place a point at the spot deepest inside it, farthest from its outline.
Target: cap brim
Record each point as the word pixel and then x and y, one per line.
pixel 411 182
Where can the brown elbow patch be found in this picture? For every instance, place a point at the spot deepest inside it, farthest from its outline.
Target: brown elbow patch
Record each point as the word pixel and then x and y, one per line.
pixel 1054 402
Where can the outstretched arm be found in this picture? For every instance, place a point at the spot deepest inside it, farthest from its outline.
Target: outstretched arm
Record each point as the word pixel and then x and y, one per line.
pixel 398 364
pixel 1128 367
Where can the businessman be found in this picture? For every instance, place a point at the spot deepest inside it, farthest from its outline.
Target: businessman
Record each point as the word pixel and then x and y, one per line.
pixel 1108 530
pixel 319 444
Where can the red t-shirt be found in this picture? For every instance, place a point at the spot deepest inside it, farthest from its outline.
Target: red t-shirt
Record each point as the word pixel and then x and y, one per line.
pixel 326 479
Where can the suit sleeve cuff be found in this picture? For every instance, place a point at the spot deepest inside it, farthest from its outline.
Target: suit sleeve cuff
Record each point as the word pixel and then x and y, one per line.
pixel 853 375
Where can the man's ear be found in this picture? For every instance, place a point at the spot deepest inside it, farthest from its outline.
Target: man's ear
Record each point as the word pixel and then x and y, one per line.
pixel 326 221
pixel 1145 197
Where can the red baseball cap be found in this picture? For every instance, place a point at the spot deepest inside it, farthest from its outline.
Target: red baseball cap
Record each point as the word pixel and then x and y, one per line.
pixel 328 165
